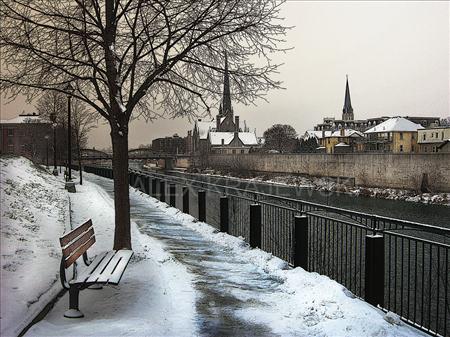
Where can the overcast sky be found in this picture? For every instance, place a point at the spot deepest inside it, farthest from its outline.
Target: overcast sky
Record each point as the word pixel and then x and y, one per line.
pixel 395 53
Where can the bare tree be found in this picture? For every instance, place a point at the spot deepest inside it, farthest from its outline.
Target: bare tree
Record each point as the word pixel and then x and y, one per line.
pixel 83 120
pixel 127 58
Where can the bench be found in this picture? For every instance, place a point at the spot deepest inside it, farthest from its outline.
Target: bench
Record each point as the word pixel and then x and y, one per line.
pixel 106 268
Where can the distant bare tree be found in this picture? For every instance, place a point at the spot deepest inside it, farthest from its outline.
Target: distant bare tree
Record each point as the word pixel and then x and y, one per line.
pixel 280 137
pixel 127 58
pixel 83 120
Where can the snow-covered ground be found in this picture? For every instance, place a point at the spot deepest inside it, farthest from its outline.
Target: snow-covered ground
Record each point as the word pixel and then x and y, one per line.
pixel 328 185
pixel 34 213
pixel 159 295
pixel 154 298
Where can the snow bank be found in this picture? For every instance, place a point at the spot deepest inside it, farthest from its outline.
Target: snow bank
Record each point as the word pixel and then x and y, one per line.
pixel 154 298
pixel 34 213
pixel 309 303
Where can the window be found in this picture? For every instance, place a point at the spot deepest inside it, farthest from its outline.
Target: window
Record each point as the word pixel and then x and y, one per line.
pixel 10 132
pixel 234 151
pixel 242 151
pixel 401 148
pixel 401 135
pixel 424 136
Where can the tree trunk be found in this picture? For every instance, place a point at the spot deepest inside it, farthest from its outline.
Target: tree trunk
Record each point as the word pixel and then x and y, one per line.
pixel 122 234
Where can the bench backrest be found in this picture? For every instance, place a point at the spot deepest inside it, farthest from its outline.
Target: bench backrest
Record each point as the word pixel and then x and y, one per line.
pixel 76 242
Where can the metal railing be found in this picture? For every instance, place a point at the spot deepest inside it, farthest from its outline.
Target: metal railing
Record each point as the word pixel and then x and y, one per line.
pixel 401 266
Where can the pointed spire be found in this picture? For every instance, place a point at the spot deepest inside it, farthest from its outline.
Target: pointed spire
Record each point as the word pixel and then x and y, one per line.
pixel 347 111
pixel 226 101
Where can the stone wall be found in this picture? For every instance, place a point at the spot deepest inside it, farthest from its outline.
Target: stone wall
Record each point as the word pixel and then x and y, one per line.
pixel 405 171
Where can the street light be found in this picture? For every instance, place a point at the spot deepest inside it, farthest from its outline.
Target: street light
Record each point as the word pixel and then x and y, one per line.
pixel 54 125
pixel 69 89
pixel 46 138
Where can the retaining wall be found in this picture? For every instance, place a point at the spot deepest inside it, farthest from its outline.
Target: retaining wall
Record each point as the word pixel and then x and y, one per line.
pixel 404 171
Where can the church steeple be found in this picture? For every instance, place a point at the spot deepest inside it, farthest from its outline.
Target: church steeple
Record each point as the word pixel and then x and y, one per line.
pixel 347 111
pixel 226 108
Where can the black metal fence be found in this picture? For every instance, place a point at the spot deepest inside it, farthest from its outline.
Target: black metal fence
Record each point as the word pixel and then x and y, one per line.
pixel 400 266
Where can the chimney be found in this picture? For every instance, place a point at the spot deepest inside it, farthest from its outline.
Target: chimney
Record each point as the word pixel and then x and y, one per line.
pixel 236 122
pixel 223 142
pixel 342 130
pixel 217 122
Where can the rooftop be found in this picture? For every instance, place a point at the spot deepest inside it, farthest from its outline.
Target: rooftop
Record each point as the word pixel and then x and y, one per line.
pixel 396 124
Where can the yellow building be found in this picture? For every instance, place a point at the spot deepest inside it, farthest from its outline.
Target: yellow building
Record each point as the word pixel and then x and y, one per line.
pixel 396 135
pixel 434 139
pixel 342 141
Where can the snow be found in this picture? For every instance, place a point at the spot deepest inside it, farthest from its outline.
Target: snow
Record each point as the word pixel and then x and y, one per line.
pixel 307 304
pixel 347 133
pixel 247 138
pixel 23 119
pixel 324 184
pixel 34 213
pixel 155 296
pixel 397 124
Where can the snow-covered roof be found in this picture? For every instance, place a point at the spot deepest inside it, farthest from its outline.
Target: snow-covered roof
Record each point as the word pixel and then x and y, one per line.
pixel 247 138
pixel 316 134
pixel 23 119
pixel 341 145
pixel 204 127
pixel 347 133
pixel 396 124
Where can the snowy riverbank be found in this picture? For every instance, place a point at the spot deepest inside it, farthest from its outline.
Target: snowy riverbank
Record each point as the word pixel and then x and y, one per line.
pixel 159 294
pixel 329 185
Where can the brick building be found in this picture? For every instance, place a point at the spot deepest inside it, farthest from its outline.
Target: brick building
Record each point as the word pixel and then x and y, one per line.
pixel 26 135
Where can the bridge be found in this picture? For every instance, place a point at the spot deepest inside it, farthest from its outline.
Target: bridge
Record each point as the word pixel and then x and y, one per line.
pixel 169 159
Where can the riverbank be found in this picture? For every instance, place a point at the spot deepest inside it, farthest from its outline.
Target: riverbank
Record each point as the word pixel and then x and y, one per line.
pixel 329 185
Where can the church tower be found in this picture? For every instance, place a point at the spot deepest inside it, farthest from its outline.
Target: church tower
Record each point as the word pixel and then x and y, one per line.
pixel 224 120
pixel 225 107
pixel 347 111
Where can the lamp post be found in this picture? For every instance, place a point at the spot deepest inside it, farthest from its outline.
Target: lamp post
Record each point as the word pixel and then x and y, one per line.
pixel 69 90
pixel 54 125
pixel 46 139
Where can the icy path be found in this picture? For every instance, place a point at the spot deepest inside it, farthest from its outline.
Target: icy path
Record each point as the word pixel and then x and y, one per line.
pixel 218 273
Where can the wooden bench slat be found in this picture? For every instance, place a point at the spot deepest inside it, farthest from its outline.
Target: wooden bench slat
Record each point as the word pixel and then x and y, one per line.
pixel 103 275
pixel 95 275
pixel 66 239
pixel 72 258
pixel 116 275
pixel 88 271
pixel 78 243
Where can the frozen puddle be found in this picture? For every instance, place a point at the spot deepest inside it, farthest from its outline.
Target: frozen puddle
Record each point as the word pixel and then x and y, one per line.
pixel 225 283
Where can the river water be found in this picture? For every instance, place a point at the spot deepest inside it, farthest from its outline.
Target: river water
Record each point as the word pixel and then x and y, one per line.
pixel 438 215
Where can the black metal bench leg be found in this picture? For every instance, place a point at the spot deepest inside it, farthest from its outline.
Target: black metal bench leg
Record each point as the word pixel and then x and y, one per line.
pixel 73 311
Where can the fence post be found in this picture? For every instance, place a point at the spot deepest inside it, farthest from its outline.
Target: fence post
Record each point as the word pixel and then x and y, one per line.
pixel 154 184
pixel 185 200
pixel 374 278
pixel 224 214
pixel 202 205
pixel 172 194
pixel 147 185
pixel 301 241
pixel 255 225
pixel 162 190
